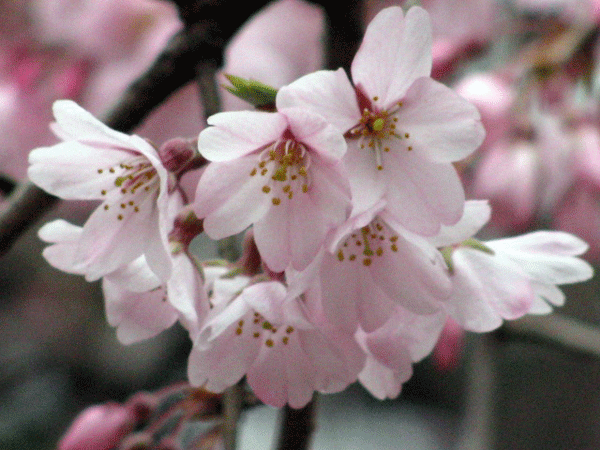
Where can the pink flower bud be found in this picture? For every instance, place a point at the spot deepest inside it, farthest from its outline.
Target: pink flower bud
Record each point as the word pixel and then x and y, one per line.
pixel 99 427
pixel 176 153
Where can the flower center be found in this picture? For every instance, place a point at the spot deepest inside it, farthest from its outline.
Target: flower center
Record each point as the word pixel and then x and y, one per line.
pixel 369 242
pixel 376 128
pixel 260 328
pixel 135 179
pixel 284 166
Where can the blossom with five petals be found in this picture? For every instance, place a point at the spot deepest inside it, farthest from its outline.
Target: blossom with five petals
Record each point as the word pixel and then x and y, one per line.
pixel 281 172
pixel 403 129
pixel 124 172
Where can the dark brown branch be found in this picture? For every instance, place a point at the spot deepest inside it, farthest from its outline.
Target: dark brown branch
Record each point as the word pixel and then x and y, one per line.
pixel 297 427
pixel 24 207
pixel 209 25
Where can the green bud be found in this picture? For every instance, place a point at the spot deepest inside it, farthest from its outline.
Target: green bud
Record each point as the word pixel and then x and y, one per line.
pixel 259 95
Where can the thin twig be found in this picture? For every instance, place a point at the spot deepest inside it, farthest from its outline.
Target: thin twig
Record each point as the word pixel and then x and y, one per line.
pixel 232 407
pixel 297 427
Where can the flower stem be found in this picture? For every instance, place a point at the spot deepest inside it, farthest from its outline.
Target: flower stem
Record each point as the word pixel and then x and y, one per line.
pixel 232 406
pixel 297 427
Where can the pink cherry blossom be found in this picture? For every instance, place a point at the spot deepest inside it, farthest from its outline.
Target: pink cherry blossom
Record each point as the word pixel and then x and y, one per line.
pixel 138 303
pixel 279 171
pixel 126 174
pixel 508 278
pixel 372 266
pixel 267 334
pixel 403 128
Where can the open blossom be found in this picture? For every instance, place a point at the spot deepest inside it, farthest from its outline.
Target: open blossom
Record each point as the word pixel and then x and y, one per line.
pixel 403 129
pixel 138 303
pixel 267 334
pixel 124 172
pixel 371 266
pixel 508 278
pixel 279 171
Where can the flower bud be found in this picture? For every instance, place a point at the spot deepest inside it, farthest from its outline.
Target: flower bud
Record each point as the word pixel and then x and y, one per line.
pixel 99 427
pixel 176 153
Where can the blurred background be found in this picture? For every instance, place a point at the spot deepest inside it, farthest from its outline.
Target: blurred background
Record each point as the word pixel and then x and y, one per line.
pixel 530 66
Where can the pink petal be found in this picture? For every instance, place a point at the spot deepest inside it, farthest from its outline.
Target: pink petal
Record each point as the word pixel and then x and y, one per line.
pixel 235 134
pixel 78 124
pixel 442 126
pixel 70 170
pixel 312 130
pixel 137 316
pixel 229 198
pixel 422 195
pixel 327 93
pixel 394 53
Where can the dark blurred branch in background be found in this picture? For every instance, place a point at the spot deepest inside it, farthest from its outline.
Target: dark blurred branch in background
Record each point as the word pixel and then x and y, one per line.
pixel 209 25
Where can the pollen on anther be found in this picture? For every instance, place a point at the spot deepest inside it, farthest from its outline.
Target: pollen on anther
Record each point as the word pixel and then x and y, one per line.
pixel 289 329
pixel 379 167
pixel 386 149
pixel 406 135
pixel 266 189
pixel 136 209
pixel 409 148
pixel 379 251
pixel 305 188
pixel 100 170
pixel 124 191
pixel 276 201
pixel 394 247
pixel 253 172
pixel 285 340
pixel 352 257
pixel 106 207
pixel 367 262
pixel 264 172
pixel 290 195
pixel 269 342
pixel 103 192
pixel 238 331
pixel 111 170
pixel 375 98
pixel 340 255
pixel 120 217
pixel 131 202
pixel 256 335
pixel 123 205
pixel 241 323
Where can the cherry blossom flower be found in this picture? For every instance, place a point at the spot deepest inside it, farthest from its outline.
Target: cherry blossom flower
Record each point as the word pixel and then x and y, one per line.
pixel 279 171
pixel 371 266
pixel 97 163
pixel 403 129
pixel 508 278
pixel 138 303
pixel 267 334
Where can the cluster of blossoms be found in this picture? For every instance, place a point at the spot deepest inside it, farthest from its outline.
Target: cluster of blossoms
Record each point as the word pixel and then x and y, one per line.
pixel 361 242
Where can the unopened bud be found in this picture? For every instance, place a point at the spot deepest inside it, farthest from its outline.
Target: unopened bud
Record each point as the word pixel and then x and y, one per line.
pixel 98 427
pixel 176 153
